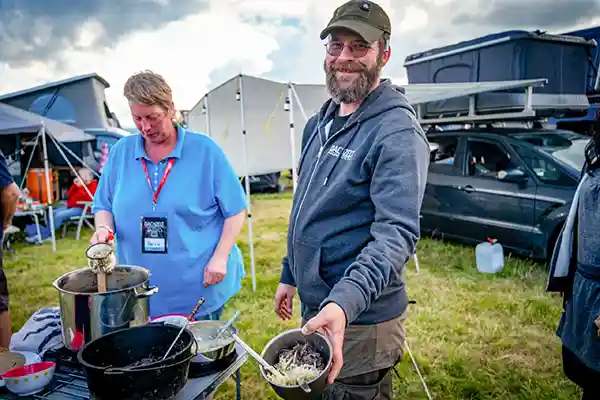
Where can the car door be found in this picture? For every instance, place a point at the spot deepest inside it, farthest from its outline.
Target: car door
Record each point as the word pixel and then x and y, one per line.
pixel 554 194
pixel 497 193
pixel 441 196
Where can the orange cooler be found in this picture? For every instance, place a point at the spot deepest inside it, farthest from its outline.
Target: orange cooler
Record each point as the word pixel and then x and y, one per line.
pixel 36 183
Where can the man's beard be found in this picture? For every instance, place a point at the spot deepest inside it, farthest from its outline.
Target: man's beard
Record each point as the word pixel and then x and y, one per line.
pixel 361 86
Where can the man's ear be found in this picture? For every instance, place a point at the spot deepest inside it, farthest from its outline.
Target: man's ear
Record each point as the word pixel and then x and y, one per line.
pixel 386 55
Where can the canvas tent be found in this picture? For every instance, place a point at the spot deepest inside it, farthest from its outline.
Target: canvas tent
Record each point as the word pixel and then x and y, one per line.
pixel 255 121
pixel 14 121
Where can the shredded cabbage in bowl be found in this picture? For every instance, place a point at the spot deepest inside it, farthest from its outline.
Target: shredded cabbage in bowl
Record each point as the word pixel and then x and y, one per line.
pixel 301 364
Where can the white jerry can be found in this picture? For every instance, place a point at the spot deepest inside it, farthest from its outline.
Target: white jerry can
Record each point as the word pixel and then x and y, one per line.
pixel 489 256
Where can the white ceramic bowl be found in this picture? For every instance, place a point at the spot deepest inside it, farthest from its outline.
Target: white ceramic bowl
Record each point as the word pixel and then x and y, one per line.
pixel 29 379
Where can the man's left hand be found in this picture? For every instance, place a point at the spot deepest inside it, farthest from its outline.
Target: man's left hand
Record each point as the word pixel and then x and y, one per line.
pixel 215 271
pixel 332 321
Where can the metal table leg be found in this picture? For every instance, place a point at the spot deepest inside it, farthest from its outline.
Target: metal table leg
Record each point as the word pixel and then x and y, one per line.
pixel 238 384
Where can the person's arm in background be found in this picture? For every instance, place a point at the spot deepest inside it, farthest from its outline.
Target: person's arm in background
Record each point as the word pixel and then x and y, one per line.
pixel 232 202
pixel 9 197
pixel 9 193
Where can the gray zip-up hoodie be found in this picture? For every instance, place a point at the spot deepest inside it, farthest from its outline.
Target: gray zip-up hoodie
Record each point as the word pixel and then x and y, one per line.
pixel 355 216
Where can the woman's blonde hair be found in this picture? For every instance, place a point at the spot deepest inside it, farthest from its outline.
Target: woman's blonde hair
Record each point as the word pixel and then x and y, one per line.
pixel 150 89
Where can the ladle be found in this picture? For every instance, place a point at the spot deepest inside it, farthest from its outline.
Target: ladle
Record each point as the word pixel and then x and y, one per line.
pixel 189 318
pixel 100 262
pixel 257 357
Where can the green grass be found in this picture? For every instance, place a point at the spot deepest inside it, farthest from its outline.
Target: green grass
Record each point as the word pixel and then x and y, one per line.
pixel 474 336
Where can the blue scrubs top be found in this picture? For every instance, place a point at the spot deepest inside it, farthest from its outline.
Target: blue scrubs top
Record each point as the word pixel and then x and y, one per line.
pixel 200 192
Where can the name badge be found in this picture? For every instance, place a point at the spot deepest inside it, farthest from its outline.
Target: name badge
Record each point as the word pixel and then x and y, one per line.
pixel 154 235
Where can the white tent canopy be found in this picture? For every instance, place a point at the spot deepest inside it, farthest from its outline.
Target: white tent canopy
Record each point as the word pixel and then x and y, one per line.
pixel 266 119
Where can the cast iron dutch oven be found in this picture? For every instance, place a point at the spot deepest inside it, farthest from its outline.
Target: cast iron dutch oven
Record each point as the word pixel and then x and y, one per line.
pixel 107 362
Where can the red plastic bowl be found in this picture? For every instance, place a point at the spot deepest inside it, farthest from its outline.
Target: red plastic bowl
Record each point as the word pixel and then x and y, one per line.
pixel 34 368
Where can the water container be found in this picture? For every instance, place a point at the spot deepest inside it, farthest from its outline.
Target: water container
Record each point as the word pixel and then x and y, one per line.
pixel 489 256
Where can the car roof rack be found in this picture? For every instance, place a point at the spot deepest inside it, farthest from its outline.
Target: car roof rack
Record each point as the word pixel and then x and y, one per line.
pixel 420 96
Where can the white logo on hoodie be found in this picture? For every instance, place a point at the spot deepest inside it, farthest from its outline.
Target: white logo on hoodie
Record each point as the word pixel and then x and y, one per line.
pixel 338 151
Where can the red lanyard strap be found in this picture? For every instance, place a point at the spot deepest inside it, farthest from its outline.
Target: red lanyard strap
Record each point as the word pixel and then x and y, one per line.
pixel 162 181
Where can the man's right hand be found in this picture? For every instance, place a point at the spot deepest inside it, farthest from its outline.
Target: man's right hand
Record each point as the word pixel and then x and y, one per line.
pixel 284 300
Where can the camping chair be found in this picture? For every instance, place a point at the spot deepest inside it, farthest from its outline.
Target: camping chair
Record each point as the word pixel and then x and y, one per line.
pixel 85 217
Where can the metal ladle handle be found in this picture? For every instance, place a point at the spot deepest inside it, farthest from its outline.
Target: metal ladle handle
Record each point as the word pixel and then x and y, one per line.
pixel 189 318
pixel 257 357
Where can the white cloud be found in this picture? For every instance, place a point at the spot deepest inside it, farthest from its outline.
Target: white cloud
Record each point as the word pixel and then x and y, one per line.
pixel 184 52
pixel 273 38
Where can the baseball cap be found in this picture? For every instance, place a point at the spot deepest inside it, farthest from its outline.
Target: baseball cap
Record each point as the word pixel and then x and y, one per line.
pixel 365 18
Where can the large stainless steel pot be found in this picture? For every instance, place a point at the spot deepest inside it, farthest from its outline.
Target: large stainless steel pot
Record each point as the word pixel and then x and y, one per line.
pixel 86 314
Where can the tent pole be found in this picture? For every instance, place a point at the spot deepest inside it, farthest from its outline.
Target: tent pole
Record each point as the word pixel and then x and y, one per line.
pixel 37 139
pixel 299 104
pixel 49 188
pixel 206 114
pixel 292 138
pixel 240 98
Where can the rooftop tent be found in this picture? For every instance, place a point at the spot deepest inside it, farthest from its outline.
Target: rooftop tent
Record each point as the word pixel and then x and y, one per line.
pixel 593 81
pixel 505 56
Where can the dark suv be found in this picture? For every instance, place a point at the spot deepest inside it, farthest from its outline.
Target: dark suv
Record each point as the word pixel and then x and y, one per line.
pixel 512 184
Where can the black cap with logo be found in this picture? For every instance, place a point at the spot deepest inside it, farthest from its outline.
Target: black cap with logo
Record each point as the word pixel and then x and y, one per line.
pixel 365 18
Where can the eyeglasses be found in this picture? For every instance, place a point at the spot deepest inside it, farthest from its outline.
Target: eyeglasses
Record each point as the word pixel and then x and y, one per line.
pixel 357 49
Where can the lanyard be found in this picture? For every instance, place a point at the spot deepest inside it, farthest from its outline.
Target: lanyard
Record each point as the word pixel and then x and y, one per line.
pixel 162 181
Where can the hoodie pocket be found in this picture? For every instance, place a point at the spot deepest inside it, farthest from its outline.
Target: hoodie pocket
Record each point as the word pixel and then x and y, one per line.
pixel 312 289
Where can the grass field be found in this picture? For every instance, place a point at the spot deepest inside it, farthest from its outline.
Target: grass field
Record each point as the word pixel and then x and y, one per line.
pixel 474 336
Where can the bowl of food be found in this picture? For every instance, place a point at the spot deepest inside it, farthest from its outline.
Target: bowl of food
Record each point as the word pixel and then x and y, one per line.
pixel 211 347
pixel 29 379
pixel 303 363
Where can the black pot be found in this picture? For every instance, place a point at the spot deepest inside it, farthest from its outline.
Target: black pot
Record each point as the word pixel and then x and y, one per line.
pixel 107 363
pixel 312 390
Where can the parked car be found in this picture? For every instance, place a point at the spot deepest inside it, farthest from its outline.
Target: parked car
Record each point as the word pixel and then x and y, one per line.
pixel 512 184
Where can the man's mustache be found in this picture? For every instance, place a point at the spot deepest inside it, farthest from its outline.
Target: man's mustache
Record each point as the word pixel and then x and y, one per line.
pixel 347 67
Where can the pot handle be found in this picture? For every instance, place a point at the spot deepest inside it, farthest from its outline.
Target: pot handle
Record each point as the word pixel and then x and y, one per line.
pixel 115 371
pixel 152 290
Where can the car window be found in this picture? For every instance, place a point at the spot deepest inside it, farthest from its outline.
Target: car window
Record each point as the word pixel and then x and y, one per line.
pixel 489 160
pixel 568 147
pixel 546 170
pixel 442 159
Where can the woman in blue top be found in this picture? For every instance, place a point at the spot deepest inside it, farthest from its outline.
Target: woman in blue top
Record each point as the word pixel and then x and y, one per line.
pixel 174 205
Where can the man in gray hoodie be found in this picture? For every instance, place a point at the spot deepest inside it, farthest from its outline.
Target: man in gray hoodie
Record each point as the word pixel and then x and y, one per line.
pixel 355 216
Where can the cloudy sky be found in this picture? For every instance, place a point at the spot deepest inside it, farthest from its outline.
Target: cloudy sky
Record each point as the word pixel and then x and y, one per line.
pixel 198 44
